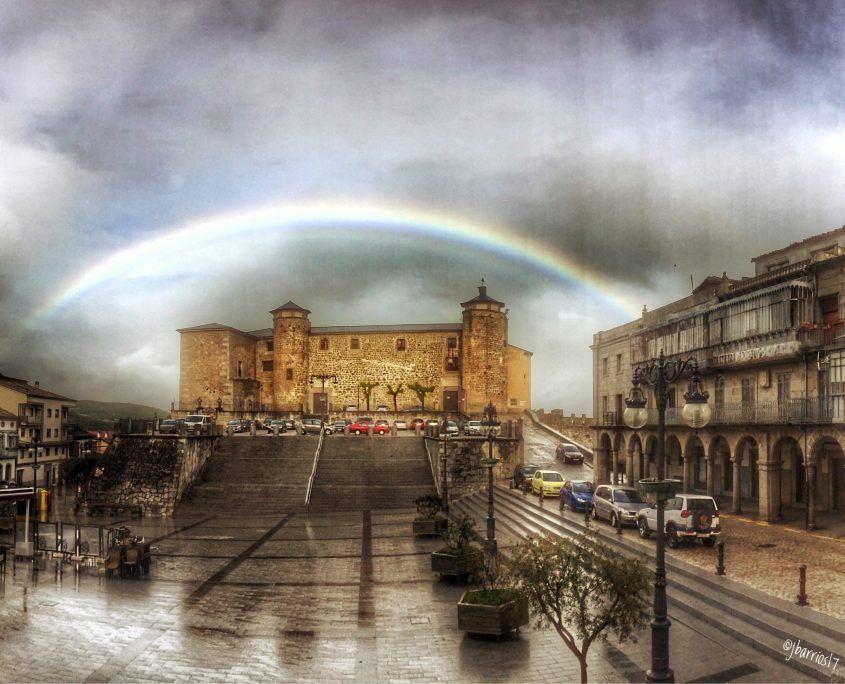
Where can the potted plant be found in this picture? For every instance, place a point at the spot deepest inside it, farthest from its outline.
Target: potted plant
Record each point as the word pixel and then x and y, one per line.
pixel 459 557
pixel 496 608
pixel 429 522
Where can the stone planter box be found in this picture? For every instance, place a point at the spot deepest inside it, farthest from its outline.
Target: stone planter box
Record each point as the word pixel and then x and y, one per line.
pixel 431 527
pixel 496 620
pixel 455 565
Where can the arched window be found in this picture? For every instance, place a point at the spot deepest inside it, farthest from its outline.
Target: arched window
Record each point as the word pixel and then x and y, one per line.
pixel 324 343
pixel 240 369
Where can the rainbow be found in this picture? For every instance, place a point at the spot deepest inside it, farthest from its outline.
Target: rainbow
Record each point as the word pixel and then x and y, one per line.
pixel 141 256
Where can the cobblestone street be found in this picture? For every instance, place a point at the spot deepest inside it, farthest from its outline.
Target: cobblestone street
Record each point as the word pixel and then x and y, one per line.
pixel 299 598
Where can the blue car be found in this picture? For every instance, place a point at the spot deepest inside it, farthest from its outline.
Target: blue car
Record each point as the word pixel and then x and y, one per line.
pixel 577 494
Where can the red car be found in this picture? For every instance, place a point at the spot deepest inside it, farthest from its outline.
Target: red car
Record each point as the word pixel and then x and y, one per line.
pixel 415 423
pixel 361 426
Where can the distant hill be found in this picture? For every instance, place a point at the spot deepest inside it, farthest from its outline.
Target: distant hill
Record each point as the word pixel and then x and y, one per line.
pixel 102 415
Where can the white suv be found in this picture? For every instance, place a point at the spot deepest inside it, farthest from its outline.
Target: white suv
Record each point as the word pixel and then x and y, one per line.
pixel 688 517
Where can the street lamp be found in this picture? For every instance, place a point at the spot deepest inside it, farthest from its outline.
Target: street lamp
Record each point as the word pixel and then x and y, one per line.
pixel 491 422
pixel 696 413
pixel 35 467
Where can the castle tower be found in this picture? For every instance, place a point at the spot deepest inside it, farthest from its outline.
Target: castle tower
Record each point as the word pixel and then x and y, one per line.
pixel 291 329
pixel 484 363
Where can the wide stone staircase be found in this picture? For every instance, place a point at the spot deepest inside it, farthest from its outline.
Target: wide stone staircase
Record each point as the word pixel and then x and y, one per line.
pixel 370 473
pixel 253 476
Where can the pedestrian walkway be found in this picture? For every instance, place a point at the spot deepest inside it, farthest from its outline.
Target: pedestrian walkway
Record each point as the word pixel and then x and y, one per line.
pixel 298 597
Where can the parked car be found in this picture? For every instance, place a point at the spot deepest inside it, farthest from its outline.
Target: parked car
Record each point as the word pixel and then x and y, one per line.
pixel 522 476
pixel 546 483
pixel 400 424
pixel 313 426
pixel 417 423
pixel 381 407
pixel 577 494
pixel 432 424
pixel 688 517
pixel 350 407
pixel 616 503
pixel 361 426
pixel 273 424
pixel 472 427
pixel 569 453
pixel 234 426
pixel 450 430
pixel 198 424
pixel 339 425
pixel 247 424
pixel 168 426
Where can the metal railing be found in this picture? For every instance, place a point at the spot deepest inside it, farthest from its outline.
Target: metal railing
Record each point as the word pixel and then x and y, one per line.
pixel 774 412
pixel 314 469
pixel 822 336
pixel 611 418
pixel 434 477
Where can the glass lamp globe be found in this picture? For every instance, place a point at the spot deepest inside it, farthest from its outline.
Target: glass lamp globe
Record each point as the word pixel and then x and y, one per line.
pixel 635 416
pixel 696 415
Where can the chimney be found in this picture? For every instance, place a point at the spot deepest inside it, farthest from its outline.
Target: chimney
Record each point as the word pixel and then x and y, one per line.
pixel 37 384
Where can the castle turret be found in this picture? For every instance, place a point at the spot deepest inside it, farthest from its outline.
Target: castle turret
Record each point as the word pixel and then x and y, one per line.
pixel 291 329
pixel 484 364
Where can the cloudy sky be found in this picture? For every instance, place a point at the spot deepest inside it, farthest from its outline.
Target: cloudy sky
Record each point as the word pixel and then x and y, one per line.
pixel 586 157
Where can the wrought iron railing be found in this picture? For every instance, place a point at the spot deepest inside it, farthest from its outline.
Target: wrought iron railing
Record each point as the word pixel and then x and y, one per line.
pixel 612 418
pixel 822 336
pixel 774 412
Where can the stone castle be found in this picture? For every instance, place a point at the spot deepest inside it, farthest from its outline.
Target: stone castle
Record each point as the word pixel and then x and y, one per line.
pixel 294 367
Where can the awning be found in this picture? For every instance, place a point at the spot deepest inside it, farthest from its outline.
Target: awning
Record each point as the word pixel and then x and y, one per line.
pixel 16 493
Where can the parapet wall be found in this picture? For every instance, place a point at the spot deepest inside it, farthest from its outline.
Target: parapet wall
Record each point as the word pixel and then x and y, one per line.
pixel 151 473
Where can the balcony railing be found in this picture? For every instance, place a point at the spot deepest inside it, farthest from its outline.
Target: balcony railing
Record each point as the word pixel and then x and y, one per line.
pixel 822 336
pixel 611 418
pixel 786 412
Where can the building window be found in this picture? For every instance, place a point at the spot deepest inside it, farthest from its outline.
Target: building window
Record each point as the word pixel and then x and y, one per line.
pixel 451 342
pixel 49 413
pixel 400 344
pixel 514 402
pixel 324 343
pixel 783 386
pixel 270 346
pixel 604 366
pixel 49 433
pixel 452 363
pixel 619 363
pixel 267 365
pixel 240 369
pixel 670 400
pixel 719 398
pixel 355 343
pixel 289 374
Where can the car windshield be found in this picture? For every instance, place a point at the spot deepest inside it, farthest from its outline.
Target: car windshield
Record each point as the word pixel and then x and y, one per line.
pixel 193 419
pixel 573 449
pixel 168 422
pixel 552 477
pixel 582 487
pixel 701 505
pixel 626 496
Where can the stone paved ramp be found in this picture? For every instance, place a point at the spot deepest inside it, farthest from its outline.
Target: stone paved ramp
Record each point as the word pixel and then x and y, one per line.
pixel 301 597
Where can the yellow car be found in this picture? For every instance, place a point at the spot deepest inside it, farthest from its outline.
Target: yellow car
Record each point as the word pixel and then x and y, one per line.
pixel 547 483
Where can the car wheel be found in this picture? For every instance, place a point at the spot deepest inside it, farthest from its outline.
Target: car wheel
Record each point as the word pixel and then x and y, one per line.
pixel 357 432
pixel 328 431
pixel 709 541
pixel 642 526
pixel 304 433
pixel 672 537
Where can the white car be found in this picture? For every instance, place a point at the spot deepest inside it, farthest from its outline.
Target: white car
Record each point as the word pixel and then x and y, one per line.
pixel 472 427
pixel 687 518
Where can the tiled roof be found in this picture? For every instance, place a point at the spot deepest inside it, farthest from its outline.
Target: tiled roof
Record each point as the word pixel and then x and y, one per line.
pixel 6 414
pixel 812 238
pixel 290 306
pixel 265 333
pixel 482 298
pixel 24 387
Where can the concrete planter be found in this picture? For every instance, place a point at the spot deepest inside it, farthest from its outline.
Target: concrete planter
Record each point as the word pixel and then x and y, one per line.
pixel 430 527
pixel 480 618
pixel 455 565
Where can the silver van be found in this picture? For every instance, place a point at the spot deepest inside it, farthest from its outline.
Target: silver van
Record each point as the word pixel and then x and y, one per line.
pixel 198 424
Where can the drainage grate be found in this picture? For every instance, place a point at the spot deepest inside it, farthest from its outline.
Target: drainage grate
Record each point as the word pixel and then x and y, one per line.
pixel 765 546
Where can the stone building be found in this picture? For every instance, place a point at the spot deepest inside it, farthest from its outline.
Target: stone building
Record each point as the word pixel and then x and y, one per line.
pixel 294 367
pixel 8 445
pixel 42 423
pixel 771 350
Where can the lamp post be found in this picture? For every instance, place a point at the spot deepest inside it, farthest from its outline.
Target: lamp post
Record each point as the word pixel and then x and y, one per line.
pixel 35 467
pixel 696 413
pixel 444 488
pixel 490 421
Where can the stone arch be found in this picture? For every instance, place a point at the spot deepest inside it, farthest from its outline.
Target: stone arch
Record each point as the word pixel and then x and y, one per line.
pixel 790 477
pixel 827 463
pixel 720 458
pixel 649 456
pixel 695 465
pixel 674 465
pixel 620 458
pixel 603 459
pixel 746 457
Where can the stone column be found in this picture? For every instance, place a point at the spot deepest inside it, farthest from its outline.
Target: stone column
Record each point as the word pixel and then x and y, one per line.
pixel 811 495
pixel 737 487
pixel 686 473
pixel 769 490
pixel 629 468
pixel 599 466
pixel 614 465
pixel 710 476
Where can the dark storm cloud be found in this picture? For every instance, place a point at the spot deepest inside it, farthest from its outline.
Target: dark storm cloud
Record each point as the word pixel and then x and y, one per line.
pixel 646 140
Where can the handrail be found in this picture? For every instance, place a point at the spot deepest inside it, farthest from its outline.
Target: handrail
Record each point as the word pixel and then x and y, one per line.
pixel 314 469
pixel 431 465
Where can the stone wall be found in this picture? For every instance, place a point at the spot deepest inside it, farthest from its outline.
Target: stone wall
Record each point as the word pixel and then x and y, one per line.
pixel 484 359
pixel 150 472
pixel 465 473
pixel 577 428
pixel 204 369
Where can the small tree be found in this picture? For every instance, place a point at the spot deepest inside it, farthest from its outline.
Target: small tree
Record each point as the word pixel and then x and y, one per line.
pixel 458 536
pixel 395 393
pixel 368 388
pixel 428 506
pixel 420 390
pixel 583 588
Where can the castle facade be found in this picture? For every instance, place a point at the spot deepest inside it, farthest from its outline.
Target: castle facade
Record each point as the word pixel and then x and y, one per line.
pixel 294 367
